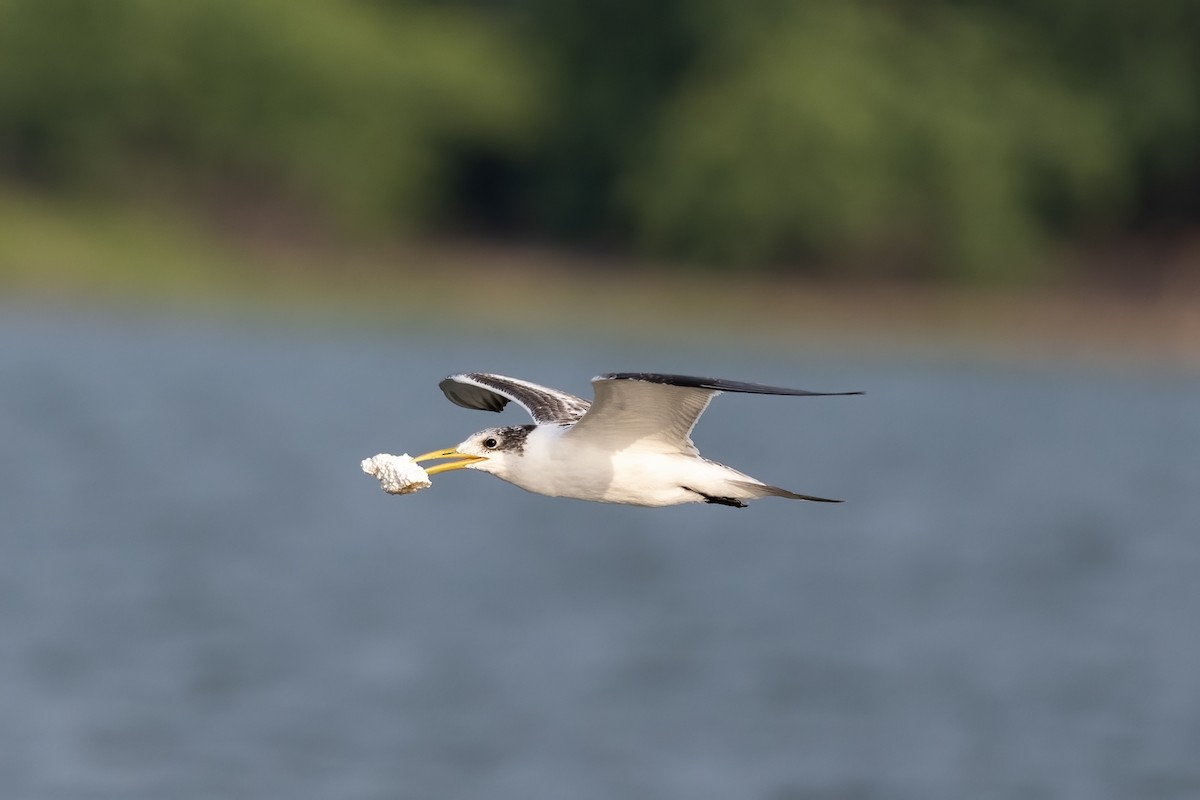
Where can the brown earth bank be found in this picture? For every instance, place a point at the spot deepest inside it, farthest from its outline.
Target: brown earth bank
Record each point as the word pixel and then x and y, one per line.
pixel 1130 302
pixel 1109 318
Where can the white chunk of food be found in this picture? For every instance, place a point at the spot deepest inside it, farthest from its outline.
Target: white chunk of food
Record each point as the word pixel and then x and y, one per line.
pixel 397 474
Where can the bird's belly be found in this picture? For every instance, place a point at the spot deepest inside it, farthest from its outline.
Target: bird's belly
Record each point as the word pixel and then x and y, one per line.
pixel 652 479
pixel 633 478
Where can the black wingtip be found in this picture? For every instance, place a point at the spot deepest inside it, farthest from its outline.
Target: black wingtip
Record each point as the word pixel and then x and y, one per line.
pixel 715 384
pixel 469 396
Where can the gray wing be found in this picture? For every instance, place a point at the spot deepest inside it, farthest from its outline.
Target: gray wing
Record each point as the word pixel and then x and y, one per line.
pixel 659 411
pixel 485 392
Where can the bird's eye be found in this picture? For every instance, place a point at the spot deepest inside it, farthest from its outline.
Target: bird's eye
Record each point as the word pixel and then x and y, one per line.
pixel 490 443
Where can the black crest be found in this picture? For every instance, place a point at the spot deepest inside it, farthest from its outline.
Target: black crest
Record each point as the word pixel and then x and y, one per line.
pixel 512 439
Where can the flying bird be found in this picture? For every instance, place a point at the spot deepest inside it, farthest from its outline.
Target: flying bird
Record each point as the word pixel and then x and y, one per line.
pixel 631 445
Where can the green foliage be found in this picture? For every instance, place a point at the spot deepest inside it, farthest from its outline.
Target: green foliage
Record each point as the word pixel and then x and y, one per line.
pixel 1142 59
pixel 352 109
pixel 615 63
pixel 847 127
pixel 955 138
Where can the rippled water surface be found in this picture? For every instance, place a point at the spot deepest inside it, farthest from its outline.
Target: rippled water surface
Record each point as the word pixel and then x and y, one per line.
pixel 201 596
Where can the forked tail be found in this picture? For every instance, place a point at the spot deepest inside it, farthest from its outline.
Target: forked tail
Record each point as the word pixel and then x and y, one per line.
pixel 763 490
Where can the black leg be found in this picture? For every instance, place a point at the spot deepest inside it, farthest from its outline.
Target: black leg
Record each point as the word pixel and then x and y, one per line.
pixel 718 501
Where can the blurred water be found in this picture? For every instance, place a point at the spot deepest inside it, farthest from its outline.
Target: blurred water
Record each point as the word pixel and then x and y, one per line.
pixel 201 596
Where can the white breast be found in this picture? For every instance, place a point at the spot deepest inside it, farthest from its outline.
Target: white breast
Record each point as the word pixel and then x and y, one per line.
pixel 564 467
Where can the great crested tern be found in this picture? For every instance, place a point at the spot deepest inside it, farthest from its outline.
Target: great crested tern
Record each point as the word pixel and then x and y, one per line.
pixel 631 445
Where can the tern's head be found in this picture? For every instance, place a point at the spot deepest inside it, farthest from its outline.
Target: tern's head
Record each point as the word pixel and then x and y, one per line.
pixel 493 450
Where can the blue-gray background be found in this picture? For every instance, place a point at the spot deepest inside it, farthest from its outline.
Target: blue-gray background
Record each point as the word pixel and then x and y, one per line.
pixel 202 596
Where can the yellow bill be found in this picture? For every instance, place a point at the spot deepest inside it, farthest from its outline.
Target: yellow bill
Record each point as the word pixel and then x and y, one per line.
pixel 463 460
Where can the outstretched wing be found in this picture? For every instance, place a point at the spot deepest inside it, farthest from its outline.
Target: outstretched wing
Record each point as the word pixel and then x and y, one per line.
pixel 486 392
pixel 659 411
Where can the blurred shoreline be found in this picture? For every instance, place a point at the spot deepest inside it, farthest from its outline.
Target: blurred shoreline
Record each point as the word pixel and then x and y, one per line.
pixel 63 254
